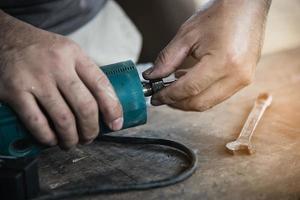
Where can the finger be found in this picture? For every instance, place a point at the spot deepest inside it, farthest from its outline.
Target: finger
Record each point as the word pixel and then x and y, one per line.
pixel 193 83
pixel 169 59
pixel 100 87
pixel 60 114
pixel 83 104
pixel 215 94
pixel 32 117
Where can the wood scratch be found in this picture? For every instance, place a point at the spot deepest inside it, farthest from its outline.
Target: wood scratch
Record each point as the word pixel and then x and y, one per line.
pixel 78 159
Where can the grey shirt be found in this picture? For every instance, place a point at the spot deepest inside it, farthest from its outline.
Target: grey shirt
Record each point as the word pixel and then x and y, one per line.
pixel 59 16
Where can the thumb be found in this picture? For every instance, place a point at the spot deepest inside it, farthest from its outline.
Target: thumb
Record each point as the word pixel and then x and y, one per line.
pixel 168 60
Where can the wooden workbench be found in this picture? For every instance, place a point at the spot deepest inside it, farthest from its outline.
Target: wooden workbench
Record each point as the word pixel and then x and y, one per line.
pixel 273 172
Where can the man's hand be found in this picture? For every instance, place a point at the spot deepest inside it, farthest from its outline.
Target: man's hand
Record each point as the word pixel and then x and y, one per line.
pixel 225 38
pixel 45 74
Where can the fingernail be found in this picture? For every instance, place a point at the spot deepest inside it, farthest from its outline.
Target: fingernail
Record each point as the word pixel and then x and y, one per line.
pixel 156 102
pixel 117 124
pixel 149 71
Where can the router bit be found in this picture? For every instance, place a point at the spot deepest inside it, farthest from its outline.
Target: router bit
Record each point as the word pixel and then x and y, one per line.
pixel 153 86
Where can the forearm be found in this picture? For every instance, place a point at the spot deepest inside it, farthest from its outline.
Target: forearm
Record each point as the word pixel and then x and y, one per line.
pixel 5 20
pixel 7 24
pixel 9 38
pixel 16 33
pixel 244 19
pixel 261 6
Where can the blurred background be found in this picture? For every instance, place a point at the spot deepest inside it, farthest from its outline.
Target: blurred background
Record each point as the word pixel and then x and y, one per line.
pixel 282 31
pixel 154 23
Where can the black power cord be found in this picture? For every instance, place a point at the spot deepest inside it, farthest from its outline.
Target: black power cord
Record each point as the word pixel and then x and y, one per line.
pixel 102 189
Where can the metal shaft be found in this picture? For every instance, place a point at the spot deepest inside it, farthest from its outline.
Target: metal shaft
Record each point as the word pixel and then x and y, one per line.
pixel 154 86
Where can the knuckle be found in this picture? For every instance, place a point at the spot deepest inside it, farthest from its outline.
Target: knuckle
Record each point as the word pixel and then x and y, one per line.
pixel 86 61
pixel 101 81
pixel 188 40
pixel 186 48
pixel 68 43
pixel 60 52
pixel 73 47
pixel 57 60
pixel 187 34
pixel 192 88
pixel 242 71
pixel 13 84
pixel 88 109
pixel 232 61
pixel 43 94
pixel 71 44
pixel 163 57
pixel 64 120
pixel 36 120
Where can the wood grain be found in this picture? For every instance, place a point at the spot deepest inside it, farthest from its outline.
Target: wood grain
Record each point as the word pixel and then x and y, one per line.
pixel 273 172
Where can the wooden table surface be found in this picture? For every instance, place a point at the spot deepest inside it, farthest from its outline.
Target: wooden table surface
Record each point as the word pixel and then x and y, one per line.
pixel 273 172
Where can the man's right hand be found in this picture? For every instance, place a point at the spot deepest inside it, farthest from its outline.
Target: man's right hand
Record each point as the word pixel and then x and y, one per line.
pixel 45 74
